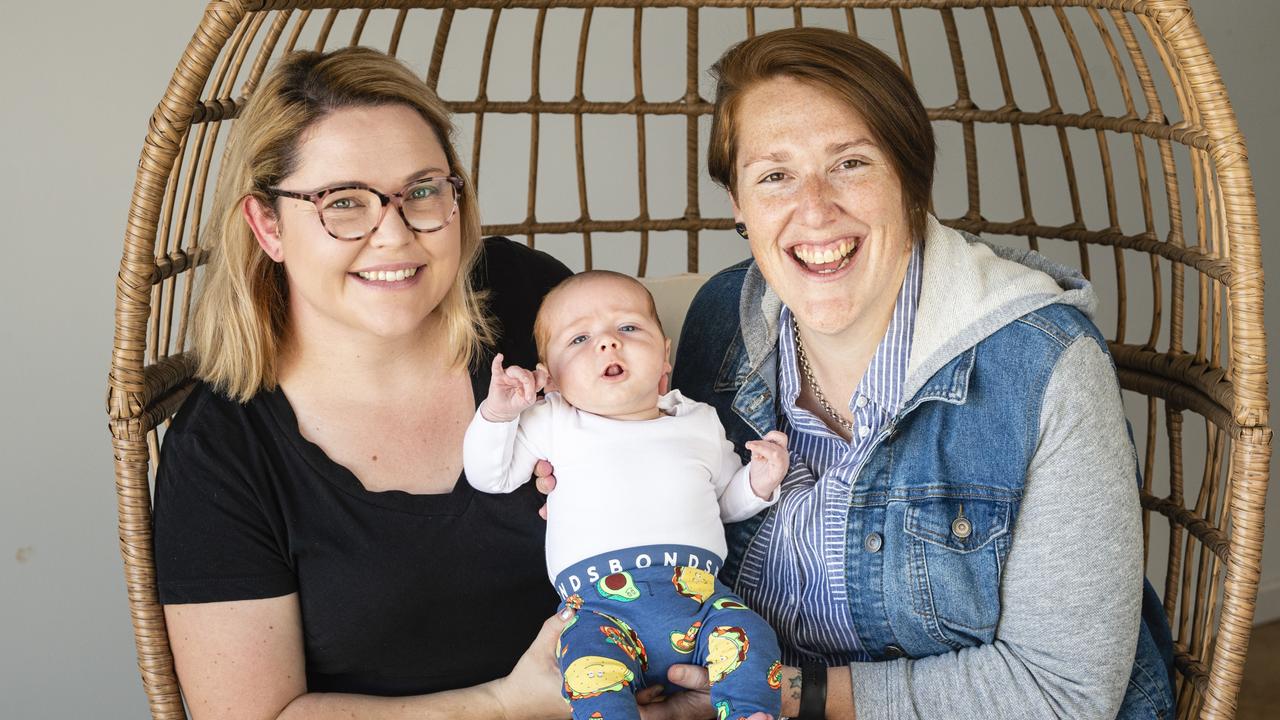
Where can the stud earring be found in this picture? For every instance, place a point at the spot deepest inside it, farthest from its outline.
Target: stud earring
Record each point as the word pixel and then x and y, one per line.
pixel 742 230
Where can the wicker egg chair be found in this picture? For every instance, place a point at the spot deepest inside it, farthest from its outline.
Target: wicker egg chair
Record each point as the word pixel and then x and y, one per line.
pixel 1098 130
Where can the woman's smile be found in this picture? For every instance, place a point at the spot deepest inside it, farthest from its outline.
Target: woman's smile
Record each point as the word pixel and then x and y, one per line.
pixel 391 277
pixel 828 258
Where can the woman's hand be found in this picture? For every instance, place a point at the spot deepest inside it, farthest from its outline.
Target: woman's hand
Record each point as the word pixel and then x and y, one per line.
pixel 532 690
pixel 544 478
pixel 692 704
pixel 511 390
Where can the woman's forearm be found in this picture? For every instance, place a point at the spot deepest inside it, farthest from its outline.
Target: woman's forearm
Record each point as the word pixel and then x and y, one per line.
pixel 839 693
pixel 480 702
pixel 244 660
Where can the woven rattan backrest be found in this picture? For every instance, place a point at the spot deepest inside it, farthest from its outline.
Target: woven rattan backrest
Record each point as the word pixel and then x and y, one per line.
pixel 1096 131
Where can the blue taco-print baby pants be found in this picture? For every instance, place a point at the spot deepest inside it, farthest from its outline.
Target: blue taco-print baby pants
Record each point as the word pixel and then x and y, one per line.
pixel 632 625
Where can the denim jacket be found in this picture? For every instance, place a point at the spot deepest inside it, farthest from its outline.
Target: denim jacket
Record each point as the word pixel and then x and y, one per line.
pixel 995 325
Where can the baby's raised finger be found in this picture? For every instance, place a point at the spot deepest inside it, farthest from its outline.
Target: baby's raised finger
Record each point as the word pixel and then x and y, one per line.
pixel 776 437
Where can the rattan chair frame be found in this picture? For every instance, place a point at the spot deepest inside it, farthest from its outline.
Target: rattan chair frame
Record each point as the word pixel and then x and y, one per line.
pixel 1216 531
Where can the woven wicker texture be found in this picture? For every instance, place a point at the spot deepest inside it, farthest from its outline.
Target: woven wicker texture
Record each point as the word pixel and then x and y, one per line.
pixel 1096 131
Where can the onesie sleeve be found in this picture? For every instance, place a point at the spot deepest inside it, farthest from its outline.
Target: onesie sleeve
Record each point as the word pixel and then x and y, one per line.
pixel 498 457
pixel 733 483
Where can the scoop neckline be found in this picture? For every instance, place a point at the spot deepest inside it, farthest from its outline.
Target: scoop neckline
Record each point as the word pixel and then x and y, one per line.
pixel 452 503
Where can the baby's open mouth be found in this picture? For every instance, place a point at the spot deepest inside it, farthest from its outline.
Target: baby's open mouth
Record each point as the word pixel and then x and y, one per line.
pixel 828 259
pixel 613 370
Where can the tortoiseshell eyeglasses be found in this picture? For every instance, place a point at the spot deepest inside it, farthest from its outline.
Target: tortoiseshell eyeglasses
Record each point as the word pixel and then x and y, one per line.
pixel 353 212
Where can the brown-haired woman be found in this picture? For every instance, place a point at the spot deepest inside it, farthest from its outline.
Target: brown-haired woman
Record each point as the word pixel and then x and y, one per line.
pixel 317 553
pixel 961 536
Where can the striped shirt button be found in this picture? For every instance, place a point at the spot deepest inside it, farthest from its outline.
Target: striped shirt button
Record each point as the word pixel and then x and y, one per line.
pixel 797 582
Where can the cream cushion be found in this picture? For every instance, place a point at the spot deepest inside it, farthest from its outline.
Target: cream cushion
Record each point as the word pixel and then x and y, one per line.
pixel 673 294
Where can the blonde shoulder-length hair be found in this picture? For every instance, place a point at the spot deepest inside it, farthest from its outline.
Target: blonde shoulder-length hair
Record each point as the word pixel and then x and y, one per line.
pixel 241 318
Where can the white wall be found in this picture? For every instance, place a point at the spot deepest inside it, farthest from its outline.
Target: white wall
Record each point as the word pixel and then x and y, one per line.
pixel 79 81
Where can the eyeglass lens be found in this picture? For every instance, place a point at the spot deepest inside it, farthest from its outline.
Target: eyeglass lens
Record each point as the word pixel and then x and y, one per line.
pixel 353 213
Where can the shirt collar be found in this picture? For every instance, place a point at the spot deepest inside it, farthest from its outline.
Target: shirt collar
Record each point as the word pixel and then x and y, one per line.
pixel 886 374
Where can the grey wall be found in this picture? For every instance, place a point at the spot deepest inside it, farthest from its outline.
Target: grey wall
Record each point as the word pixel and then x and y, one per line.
pixel 79 81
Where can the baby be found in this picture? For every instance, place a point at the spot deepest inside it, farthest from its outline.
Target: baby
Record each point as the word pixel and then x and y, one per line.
pixel 644 480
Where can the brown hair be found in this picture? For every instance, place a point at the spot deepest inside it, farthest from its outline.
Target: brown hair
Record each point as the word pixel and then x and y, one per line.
pixel 540 330
pixel 241 318
pixel 869 81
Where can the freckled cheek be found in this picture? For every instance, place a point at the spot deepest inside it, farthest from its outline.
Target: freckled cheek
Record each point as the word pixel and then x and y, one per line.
pixel 769 202
pixel 765 220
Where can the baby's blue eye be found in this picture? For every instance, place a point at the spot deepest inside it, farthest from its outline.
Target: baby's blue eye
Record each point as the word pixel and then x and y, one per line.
pixel 578 339
pixel 628 328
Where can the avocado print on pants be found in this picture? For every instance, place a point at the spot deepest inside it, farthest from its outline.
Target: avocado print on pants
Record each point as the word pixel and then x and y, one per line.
pixel 618 586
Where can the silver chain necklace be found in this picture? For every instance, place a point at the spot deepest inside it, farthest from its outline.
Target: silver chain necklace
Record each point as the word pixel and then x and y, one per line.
pixel 813 382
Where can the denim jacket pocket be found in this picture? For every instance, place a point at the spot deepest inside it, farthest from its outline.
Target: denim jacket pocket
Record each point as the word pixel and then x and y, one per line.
pixel 956 550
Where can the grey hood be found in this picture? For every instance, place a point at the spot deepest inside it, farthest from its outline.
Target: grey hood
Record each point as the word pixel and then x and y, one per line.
pixel 970 289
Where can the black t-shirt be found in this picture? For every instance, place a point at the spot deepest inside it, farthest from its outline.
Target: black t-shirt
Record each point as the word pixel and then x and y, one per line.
pixel 400 594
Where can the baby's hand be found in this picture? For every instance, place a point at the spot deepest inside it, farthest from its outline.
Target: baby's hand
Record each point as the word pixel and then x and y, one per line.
pixel 511 391
pixel 769 461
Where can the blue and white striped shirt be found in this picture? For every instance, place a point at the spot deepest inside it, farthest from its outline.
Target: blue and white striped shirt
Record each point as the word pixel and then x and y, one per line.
pixel 794 574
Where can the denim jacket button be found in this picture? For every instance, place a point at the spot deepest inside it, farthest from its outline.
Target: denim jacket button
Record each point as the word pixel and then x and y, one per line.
pixel 961 527
pixel 893 652
pixel 873 542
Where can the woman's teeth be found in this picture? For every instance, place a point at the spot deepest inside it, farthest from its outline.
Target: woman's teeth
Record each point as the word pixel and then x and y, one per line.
pixel 816 256
pixel 389 276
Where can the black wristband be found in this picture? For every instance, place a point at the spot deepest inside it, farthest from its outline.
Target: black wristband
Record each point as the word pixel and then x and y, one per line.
pixel 813 692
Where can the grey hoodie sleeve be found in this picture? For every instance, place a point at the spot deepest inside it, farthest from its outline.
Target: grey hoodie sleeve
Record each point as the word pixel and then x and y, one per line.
pixel 1072 587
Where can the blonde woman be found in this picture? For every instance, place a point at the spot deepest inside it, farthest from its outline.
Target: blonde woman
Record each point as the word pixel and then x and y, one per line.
pixel 317 551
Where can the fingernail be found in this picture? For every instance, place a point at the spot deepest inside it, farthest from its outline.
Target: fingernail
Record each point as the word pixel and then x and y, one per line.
pixel 565 614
